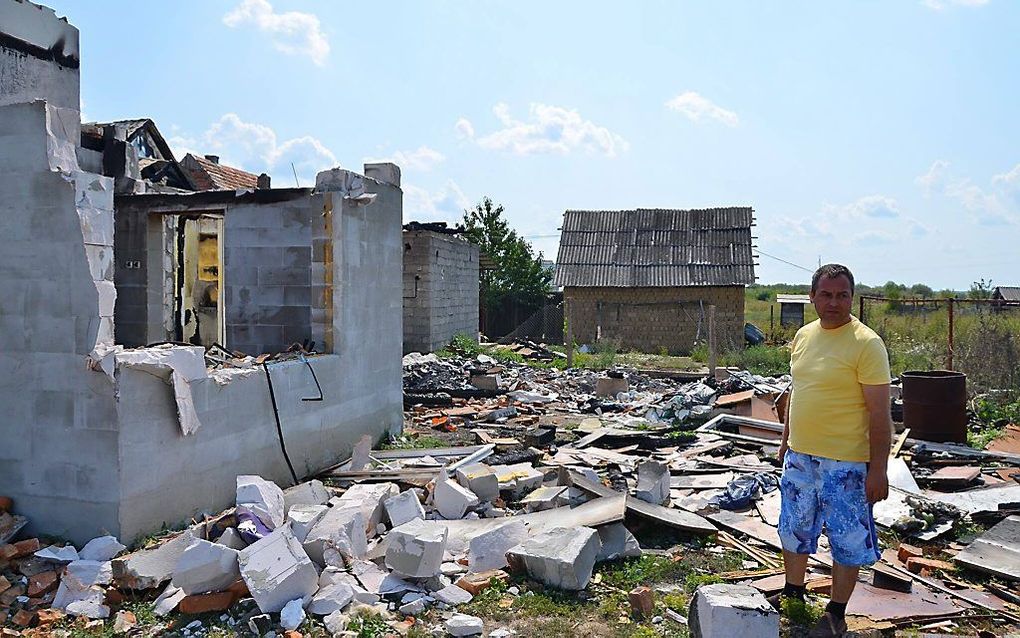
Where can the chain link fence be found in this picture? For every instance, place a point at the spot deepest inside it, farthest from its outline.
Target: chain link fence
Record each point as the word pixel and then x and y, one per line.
pixel 544 326
pixel 979 337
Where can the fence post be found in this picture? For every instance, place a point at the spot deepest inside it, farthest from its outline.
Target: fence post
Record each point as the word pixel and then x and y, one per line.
pixel 772 321
pixel 949 354
pixel 711 341
pixel 860 313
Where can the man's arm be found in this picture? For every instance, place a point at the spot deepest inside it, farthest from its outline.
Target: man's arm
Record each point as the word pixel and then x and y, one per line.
pixel 785 445
pixel 876 398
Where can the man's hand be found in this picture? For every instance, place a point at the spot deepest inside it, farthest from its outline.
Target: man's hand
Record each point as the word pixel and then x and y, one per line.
pixel 783 447
pixel 876 485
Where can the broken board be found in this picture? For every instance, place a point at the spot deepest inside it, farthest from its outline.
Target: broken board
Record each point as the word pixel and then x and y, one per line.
pixel 679 519
pixel 996 552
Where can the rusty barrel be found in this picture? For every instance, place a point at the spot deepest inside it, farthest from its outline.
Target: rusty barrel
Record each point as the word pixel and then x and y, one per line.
pixel 935 405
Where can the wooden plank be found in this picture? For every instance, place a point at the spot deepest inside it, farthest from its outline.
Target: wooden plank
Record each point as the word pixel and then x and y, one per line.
pixel 755 528
pixel 679 519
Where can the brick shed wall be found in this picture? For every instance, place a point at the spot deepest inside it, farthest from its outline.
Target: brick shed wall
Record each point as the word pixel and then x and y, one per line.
pixel 443 301
pixel 650 319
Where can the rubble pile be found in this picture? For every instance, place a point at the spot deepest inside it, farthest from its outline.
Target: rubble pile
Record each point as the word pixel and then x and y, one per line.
pixel 550 489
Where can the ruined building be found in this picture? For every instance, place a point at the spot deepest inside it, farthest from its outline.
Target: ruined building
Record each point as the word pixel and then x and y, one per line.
pixel 103 430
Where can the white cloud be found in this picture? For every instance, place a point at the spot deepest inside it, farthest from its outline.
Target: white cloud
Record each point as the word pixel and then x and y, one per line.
pixel 697 107
pixel 549 129
pixel 935 178
pixel 941 5
pixel 867 207
pixel 256 148
pixel 465 130
pixel 447 204
pixel 996 207
pixel 292 32
pixel 422 159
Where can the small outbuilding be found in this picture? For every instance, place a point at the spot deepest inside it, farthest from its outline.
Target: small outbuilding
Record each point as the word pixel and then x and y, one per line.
pixel 791 309
pixel 644 279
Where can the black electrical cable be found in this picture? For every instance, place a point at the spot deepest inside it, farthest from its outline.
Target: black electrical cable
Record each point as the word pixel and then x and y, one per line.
pixel 279 427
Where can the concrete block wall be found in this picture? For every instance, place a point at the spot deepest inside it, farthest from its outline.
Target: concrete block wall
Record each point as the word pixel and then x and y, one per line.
pixel 440 288
pixel 650 319
pixel 39 57
pixel 267 283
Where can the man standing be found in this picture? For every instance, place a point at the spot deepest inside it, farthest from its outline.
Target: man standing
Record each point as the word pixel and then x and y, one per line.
pixel 835 445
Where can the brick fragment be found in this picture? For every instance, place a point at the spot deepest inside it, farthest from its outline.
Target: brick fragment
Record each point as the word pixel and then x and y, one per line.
pixel 477 583
pixel 642 601
pixel 915 565
pixel 42 583
pixel 23 618
pixel 205 603
pixel 50 616
pixel 906 552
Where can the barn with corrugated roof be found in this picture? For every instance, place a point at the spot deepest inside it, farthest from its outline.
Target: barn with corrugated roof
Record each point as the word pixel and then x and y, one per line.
pixel 644 279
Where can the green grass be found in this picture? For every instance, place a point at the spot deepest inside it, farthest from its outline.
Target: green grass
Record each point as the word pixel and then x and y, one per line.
pixel 413 443
pixel 801 612
pixel 766 360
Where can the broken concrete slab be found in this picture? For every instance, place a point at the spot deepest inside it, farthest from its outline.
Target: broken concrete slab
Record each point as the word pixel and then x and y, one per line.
pixel 277 570
pixel 150 568
pixel 451 499
pixel 369 498
pixel 232 538
pixel 102 548
pixel 488 549
pixel 617 542
pixel 519 479
pixel 653 482
pixel 464 625
pixel 997 551
pixel 453 595
pixel 206 567
pixel 545 498
pixel 263 498
pixel 341 527
pixel 561 558
pixel 725 610
pixel 416 548
pixel 307 493
pixel 480 480
pixel 403 507
pixel 56 554
pixel 331 598
pixel 303 518
pixel 81 591
pixel 292 614
pixel 167 601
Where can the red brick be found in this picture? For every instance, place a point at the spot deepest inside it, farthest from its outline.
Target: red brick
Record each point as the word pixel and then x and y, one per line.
pixel 293 634
pixel 50 616
pixel 42 583
pixel 906 552
pixel 26 547
pixel 23 618
pixel 477 583
pixel 916 565
pixel 642 601
pixel 204 603
pixel 239 589
pixel 4 584
pixel 5 504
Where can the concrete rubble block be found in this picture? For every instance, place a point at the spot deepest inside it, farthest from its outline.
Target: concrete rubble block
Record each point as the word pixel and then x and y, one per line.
pixel 103 548
pixel 331 598
pixel 277 570
pixel 451 499
pixel 416 548
pixel 206 567
pixel 81 591
pixel 464 625
pixel 303 518
pixel 403 507
pixel 369 498
pixel 519 479
pixel 167 601
pixel 545 498
pixel 453 595
pixel 414 604
pixel 150 568
pixel 652 482
pixel 561 558
pixel 292 614
pixel 263 498
pixel 480 479
pixel 232 538
pixel 726 610
pixel 336 576
pixel 617 542
pixel 341 528
pixel 336 623
pixel 66 554
pixel 488 549
pixel 307 493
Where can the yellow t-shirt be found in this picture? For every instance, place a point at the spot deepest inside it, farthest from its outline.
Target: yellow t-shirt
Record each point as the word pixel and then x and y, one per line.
pixel 828 416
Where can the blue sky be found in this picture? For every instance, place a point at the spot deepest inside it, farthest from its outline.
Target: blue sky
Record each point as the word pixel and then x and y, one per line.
pixel 881 134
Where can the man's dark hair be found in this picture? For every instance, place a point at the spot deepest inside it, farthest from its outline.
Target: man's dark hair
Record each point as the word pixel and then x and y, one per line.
pixel 831 271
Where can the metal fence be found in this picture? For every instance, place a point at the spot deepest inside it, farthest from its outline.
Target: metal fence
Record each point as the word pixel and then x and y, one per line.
pixel 545 325
pixel 979 337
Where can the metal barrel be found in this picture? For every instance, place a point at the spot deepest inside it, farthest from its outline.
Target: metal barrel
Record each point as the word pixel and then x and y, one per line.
pixel 935 405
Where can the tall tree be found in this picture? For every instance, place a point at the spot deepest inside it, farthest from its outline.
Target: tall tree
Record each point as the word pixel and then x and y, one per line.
pixel 518 272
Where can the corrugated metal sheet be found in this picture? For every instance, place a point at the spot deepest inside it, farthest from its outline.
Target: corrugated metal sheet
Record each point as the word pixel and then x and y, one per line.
pixel 656 247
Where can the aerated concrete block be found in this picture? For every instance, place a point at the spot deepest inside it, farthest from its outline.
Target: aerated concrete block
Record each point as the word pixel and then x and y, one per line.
pixel 369 498
pixel 488 550
pixel 518 479
pixel 303 518
pixel 232 538
pixel 464 625
pixel 264 499
pixel 277 570
pixel 451 499
pixel 331 598
pixel 480 479
pixel 617 542
pixel 416 548
pixel 561 558
pixel 545 498
pixel 206 567
pixel 150 568
pixel 725 610
pixel 403 507
pixel 308 493
pixel 340 527
pixel 652 482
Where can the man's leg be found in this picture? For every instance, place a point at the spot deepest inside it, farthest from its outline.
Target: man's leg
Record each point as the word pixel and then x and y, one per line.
pixel 799 521
pixel 844 578
pixel 795 566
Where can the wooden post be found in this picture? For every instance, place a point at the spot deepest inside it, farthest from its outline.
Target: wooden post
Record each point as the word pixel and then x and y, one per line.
pixel 949 354
pixel 711 341
pixel 860 313
pixel 772 321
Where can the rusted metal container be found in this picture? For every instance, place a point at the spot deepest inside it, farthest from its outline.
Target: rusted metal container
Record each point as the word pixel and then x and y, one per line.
pixel 935 405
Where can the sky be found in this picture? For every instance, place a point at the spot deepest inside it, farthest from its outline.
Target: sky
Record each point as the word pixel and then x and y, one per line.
pixel 883 134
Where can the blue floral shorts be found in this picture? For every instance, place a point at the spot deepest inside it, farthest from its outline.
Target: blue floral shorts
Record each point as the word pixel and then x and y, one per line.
pixel 817 491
